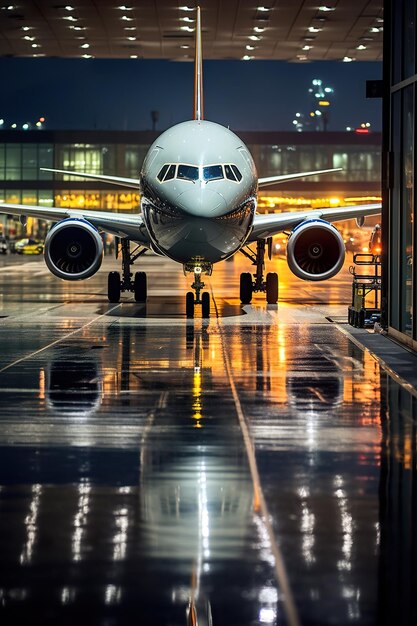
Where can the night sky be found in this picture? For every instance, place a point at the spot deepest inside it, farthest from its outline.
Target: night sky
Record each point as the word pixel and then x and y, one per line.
pixel 119 94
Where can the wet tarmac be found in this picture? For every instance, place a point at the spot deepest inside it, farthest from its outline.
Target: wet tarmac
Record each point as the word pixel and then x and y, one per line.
pixel 254 468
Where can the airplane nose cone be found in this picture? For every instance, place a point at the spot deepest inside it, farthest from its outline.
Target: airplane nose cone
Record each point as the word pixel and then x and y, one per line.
pixel 202 203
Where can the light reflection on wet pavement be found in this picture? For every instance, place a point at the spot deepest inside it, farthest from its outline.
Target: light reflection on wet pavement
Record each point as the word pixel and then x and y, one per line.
pixel 125 487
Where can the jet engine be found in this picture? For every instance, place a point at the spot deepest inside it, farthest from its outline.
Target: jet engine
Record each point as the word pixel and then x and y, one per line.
pixel 73 249
pixel 315 250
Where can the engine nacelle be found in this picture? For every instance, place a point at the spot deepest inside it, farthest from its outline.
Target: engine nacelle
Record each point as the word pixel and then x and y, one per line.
pixel 315 250
pixel 73 249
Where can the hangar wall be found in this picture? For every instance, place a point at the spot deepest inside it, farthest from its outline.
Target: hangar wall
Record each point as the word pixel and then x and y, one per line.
pixel 399 216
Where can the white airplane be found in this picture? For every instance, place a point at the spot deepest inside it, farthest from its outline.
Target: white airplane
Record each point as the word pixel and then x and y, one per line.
pixel 198 187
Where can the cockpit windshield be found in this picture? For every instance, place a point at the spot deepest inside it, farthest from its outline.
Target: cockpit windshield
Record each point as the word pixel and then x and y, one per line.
pixel 192 173
pixel 212 172
pixel 187 172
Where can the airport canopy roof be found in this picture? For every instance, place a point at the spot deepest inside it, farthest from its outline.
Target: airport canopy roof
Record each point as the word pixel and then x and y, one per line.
pixel 290 30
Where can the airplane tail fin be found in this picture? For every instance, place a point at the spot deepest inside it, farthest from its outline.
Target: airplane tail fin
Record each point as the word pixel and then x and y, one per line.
pixel 198 71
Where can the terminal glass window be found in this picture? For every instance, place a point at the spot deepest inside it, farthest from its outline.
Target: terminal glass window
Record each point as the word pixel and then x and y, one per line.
pixel 407 213
pixel 212 172
pixel 187 172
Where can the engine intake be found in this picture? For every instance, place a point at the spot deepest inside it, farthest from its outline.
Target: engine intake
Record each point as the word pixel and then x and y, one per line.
pixel 315 250
pixel 73 249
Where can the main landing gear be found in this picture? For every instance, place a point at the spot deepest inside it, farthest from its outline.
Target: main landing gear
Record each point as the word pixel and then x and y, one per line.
pixel 198 285
pixel 117 284
pixel 248 285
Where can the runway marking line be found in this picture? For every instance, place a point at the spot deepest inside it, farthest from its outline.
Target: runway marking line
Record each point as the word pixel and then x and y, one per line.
pixel 54 343
pixel 259 499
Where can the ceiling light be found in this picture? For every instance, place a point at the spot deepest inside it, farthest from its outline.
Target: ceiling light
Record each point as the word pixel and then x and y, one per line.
pixel 78 28
pixel 258 29
pixel 250 47
pixel 374 29
pixel 35 45
pixel 247 58
pixel 185 46
pixel 29 38
pixel 361 47
pixel 254 38
pixel 8 7
pixel 325 8
pixel 25 28
pixel 87 56
pixel 129 28
pixel 126 19
pixel 187 28
pixel 69 8
pixel 132 38
pixel 186 19
pixel 186 9
pixel 85 45
pixel 133 56
pixel 124 8
pixel 306 47
pixel 263 9
pixel 70 18
pixel 347 59
pixel 313 29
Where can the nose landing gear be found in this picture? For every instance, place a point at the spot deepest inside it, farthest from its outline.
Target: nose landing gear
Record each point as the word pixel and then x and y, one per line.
pixel 198 286
pixel 248 286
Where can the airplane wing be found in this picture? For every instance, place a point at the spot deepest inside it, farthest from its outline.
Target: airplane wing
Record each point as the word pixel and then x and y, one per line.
pixel 265 226
pixel 119 224
pixel 114 180
pixel 270 180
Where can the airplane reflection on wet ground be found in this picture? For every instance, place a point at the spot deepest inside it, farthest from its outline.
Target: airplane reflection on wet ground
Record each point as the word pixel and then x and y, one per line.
pixel 126 490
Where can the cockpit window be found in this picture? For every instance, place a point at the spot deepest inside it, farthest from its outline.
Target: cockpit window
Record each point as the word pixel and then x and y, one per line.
pixel 187 172
pixel 212 172
pixel 229 173
pixel 170 173
pixel 237 172
pixel 162 173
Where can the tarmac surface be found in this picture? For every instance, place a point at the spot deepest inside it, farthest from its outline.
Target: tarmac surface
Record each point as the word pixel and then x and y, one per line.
pixel 257 467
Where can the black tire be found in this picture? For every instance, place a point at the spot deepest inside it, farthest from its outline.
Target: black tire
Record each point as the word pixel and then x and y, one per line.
pixel 113 287
pixel 246 288
pixel 272 288
pixel 205 304
pixel 189 304
pixel 140 287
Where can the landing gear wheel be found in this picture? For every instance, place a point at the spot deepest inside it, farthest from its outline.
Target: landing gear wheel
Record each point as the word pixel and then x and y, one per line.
pixel 140 287
pixel 189 304
pixel 272 288
pixel 205 304
pixel 113 287
pixel 246 288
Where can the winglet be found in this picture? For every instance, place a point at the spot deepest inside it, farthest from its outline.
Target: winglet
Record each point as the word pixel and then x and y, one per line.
pixel 198 71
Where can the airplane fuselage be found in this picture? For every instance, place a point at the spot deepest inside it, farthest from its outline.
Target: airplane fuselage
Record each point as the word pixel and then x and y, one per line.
pixel 198 192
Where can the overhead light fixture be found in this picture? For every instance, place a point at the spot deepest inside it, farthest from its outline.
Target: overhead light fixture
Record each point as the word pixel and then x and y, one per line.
pixel 85 45
pixel 374 29
pixel 250 47
pixel 361 47
pixel 78 28
pixel 263 9
pixel 70 18
pixel 129 28
pixel 35 45
pixel 125 8
pixel 87 56
pixel 325 8
pixel 26 28
pixel 259 29
pixel 133 56
pixel 187 28
pixel 347 59
pixel 9 7
pixel 126 18
pixel 306 47
pixel 132 38
pixel 247 58
pixel 186 8
pixel 29 38
pixel 313 29
pixel 184 47
pixel 254 38
pixel 68 7
pixel 186 19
